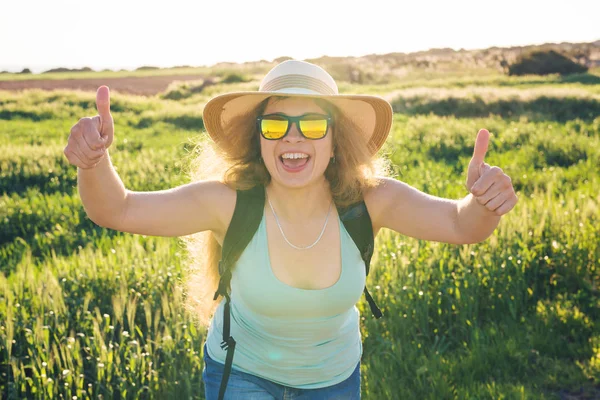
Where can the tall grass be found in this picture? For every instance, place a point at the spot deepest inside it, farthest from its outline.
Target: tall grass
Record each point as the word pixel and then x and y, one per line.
pixel 88 312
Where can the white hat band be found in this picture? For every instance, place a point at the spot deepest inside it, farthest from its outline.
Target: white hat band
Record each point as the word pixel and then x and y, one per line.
pixel 282 83
pixel 294 90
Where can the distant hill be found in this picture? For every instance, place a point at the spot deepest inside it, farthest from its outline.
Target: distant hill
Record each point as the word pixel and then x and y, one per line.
pixel 584 53
pixel 368 69
pixel 84 69
pixel 448 60
pixel 381 68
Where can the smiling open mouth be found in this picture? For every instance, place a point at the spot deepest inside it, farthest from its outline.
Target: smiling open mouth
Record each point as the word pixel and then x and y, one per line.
pixel 294 162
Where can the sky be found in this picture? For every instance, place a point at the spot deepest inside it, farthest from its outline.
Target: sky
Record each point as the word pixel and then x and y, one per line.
pixel 126 34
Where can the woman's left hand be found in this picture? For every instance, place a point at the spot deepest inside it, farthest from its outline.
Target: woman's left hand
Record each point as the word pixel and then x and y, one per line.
pixel 491 187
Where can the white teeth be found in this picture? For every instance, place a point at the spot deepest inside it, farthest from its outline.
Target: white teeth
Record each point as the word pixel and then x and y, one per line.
pixel 294 155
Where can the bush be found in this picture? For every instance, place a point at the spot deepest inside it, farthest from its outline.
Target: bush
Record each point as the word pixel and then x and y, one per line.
pixel 544 63
pixel 234 78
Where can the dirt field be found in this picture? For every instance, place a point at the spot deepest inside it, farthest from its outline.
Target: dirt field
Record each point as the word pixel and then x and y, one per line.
pixel 145 86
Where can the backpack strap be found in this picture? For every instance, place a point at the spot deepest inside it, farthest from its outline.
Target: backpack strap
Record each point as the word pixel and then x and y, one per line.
pixel 357 221
pixel 248 212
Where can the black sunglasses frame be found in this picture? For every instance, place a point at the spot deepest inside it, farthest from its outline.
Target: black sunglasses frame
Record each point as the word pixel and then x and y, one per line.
pixel 291 120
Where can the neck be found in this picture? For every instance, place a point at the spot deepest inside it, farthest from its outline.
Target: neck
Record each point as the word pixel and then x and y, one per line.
pixel 300 204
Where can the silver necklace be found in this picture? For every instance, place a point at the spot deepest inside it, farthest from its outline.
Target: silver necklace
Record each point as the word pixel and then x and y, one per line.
pixel 286 239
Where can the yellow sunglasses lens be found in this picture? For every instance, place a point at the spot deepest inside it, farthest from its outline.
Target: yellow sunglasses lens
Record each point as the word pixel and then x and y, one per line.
pixel 313 128
pixel 274 128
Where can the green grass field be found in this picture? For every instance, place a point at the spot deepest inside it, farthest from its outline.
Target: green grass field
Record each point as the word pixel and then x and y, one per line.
pixel 88 312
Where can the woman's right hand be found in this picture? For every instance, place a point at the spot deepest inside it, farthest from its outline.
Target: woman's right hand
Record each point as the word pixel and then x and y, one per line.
pixel 91 137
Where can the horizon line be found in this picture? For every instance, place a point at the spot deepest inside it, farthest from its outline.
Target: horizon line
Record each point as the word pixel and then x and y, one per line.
pixel 39 67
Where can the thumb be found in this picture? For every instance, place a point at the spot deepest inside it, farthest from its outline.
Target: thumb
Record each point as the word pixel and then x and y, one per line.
pixel 481 146
pixel 103 102
pixel 106 120
pixel 475 168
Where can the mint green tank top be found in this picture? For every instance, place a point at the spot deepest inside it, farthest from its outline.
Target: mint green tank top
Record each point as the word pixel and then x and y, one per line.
pixel 296 337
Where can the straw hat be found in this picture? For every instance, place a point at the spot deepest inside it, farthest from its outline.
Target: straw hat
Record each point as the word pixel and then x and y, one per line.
pixel 292 78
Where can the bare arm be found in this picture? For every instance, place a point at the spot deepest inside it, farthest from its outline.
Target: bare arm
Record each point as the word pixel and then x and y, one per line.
pixel 475 221
pixel 195 207
pixel 190 208
pixel 398 206
pixel 102 192
pixel 186 209
pixel 405 209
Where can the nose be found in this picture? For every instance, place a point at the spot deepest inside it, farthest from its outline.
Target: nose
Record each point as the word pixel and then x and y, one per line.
pixel 294 135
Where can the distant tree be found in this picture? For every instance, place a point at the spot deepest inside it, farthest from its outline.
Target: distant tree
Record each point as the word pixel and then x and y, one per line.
pixel 146 68
pixel 25 71
pixel 544 63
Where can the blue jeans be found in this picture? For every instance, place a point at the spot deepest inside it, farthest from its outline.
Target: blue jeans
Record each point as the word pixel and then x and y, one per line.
pixel 251 387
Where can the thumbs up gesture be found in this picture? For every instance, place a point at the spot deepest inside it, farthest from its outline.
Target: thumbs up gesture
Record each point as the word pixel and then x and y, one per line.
pixel 90 137
pixel 490 186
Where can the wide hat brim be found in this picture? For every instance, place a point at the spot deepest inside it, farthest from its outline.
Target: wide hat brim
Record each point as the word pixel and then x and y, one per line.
pixel 371 114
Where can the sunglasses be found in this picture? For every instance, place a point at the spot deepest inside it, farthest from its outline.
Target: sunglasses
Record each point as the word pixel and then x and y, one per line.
pixel 276 126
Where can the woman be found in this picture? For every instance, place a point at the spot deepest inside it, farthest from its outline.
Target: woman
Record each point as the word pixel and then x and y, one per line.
pixel 295 286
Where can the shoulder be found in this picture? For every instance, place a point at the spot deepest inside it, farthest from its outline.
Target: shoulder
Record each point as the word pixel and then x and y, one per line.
pixel 221 195
pixel 375 199
pixel 407 210
pixel 381 198
pixel 221 199
pixel 375 194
